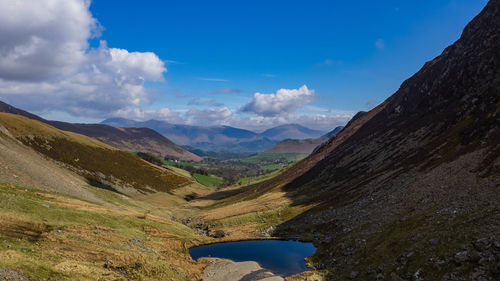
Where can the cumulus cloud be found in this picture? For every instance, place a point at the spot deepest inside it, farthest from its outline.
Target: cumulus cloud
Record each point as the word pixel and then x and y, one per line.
pixel 46 62
pixel 43 39
pixel 283 101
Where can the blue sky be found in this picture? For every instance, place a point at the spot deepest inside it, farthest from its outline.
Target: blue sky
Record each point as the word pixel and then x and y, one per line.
pixel 350 55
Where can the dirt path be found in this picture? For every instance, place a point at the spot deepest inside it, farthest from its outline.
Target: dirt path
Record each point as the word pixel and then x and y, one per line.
pixel 227 270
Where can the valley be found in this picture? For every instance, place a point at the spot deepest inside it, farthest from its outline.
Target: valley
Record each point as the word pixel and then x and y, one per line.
pixel 408 190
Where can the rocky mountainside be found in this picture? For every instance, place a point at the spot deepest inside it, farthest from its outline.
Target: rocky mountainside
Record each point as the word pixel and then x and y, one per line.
pixel 128 139
pixel 410 190
pixel 305 146
pixel 220 138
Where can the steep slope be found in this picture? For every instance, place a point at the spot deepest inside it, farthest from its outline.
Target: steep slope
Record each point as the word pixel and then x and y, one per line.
pixel 220 138
pixel 291 131
pixel 306 146
pixel 100 164
pixel 413 193
pixel 128 139
pixel 20 165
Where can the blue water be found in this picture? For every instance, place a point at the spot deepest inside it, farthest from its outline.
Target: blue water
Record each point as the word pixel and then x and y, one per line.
pixel 283 258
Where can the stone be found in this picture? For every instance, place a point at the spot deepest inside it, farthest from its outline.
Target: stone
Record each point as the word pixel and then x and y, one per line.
pixel 461 257
pixel 394 277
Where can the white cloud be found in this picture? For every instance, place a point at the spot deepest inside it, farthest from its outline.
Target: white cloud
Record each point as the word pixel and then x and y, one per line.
pixel 283 101
pixel 46 63
pixel 42 39
pixel 317 121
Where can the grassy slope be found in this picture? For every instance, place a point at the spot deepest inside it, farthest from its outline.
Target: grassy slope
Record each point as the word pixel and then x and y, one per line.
pixel 95 161
pixel 274 156
pixel 133 139
pixel 50 235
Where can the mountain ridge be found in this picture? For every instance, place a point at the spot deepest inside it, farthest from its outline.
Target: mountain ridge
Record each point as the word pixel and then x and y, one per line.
pixel 128 139
pixel 101 165
pixel 219 138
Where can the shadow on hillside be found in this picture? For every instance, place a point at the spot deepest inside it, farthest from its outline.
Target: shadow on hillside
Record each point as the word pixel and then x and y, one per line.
pixel 101 185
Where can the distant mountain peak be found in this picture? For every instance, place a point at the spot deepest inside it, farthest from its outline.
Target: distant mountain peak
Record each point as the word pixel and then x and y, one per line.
pixel 221 137
pixel 129 139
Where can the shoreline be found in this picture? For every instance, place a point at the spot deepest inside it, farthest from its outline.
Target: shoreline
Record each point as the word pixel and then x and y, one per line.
pixel 228 270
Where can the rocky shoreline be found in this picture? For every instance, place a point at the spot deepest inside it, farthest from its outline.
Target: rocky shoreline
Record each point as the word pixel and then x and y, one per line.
pixel 228 270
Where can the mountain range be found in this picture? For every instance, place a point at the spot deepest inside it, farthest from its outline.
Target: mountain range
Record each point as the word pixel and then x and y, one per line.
pixel 220 138
pixel 128 139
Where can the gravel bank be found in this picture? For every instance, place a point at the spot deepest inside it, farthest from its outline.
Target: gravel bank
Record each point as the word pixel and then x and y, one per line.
pixel 227 270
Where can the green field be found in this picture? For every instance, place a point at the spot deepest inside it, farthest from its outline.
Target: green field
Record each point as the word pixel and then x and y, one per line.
pixel 273 161
pixel 266 157
pixel 230 171
pixel 257 179
pixel 208 180
pixel 271 167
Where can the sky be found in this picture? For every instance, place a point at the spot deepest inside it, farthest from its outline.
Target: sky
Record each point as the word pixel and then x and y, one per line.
pixel 247 64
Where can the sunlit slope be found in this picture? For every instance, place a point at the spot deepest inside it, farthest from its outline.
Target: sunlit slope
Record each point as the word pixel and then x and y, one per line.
pixel 51 236
pixel 100 164
pixel 21 165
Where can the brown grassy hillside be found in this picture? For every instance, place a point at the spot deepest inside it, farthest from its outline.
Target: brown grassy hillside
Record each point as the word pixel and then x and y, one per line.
pixel 127 139
pixel 100 164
